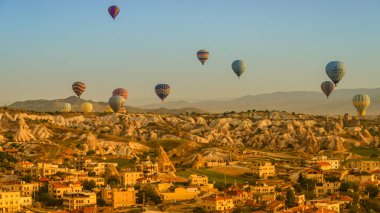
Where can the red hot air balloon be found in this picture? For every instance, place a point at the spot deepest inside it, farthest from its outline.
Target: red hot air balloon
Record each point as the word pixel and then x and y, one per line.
pixel 79 88
pixel 113 11
pixel 120 92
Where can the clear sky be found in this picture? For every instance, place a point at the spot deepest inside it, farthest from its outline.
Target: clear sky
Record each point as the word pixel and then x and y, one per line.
pixel 46 45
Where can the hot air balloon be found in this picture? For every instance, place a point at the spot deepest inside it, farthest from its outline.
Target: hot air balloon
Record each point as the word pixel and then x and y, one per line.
pixel 113 11
pixel 203 56
pixel 238 67
pixel 66 107
pixel 327 88
pixel 361 102
pixel 108 109
pixel 79 88
pixel 86 107
pixel 116 103
pixel 162 91
pixel 336 71
pixel 120 92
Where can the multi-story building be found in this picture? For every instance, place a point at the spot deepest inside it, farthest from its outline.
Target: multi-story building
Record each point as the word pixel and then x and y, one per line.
pixel 314 175
pixel 9 201
pixel 119 198
pixel 98 168
pixel 130 178
pixel 25 189
pixel 99 181
pixel 180 194
pixel 263 189
pixel 198 179
pixel 57 189
pixel 360 178
pixel 217 204
pixel 78 200
pixel 333 164
pixel 264 169
pixel 365 166
pixel 326 187
pixel 147 167
pixel 44 170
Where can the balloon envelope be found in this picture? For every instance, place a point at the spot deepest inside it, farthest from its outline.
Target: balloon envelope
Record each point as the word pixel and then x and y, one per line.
pixel 79 88
pixel 336 71
pixel 87 107
pixel 162 91
pixel 203 56
pixel 238 67
pixel 108 109
pixel 327 87
pixel 66 107
pixel 361 102
pixel 113 11
pixel 120 92
pixel 116 103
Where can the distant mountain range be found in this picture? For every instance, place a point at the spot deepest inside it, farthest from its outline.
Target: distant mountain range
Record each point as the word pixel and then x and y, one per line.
pixel 298 101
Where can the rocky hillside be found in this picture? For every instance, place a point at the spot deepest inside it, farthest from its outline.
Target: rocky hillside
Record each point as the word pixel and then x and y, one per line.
pixel 133 135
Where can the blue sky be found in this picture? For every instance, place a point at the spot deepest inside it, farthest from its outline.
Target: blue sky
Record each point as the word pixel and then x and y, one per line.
pixel 47 45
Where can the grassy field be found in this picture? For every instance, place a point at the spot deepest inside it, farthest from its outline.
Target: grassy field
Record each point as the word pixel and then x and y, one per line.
pixel 365 152
pixel 122 162
pixel 212 175
pixel 166 144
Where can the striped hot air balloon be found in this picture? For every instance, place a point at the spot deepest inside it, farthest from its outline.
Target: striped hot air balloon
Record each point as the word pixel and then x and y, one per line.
pixel 336 71
pixel 116 103
pixel 203 56
pixel 86 107
pixel 79 88
pixel 113 11
pixel 65 107
pixel 327 87
pixel 238 67
pixel 361 102
pixel 121 92
pixel 162 91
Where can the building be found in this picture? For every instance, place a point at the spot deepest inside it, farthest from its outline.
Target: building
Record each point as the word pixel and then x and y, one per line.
pixel 26 201
pixel 78 200
pixel 360 177
pixel 300 199
pixel 323 165
pixel 130 178
pixel 25 189
pixel 9 201
pixel 119 198
pixel 326 187
pixel 180 194
pixel 263 189
pixel 314 175
pixel 98 168
pixel 198 179
pixel 99 181
pixel 365 166
pixel 264 170
pixel 217 204
pixel 334 164
pixel 57 189
pixel 44 170
pixel 147 167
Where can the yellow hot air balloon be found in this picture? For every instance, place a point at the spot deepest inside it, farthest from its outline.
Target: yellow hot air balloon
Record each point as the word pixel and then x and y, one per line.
pixel 86 107
pixel 65 107
pixel 361 102
pixel 108 109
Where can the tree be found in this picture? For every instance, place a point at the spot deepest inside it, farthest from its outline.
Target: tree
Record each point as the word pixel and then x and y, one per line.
pixel 150 193
pixel 27 178
pixel 91 152
pixel 290 199
pixel 113 180
pixel 372 190
pixel 89 185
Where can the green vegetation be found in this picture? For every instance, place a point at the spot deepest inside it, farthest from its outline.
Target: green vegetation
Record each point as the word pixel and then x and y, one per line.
pixel 214 176
pixel 166 144
pixel 122 162
pixel 365 152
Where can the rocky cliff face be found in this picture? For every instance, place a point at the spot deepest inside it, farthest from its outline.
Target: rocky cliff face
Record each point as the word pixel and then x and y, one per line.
pixel 277 131
pixel 164 163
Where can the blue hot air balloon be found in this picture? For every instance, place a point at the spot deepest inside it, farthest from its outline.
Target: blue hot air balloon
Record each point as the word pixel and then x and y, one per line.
pixel 162 91
pixel 336 71
pixel 238 67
